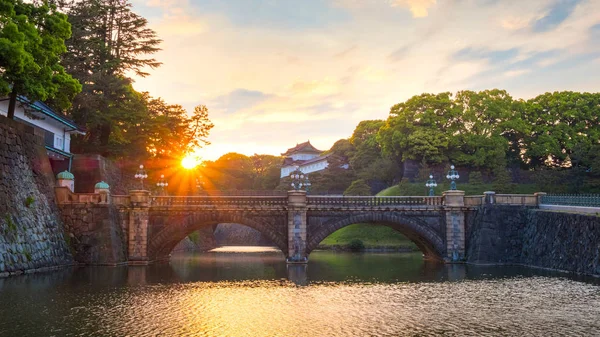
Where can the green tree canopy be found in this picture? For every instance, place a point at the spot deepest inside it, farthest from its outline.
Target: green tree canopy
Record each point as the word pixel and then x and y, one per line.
pixel 564 126
pixel 32 38
pixel 109 42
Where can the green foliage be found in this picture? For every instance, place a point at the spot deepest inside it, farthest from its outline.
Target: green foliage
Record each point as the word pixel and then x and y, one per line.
pixel 32 39
pixel 372 236
pixel 110 42
pixel 12 227
pixel 475 178
pixel 565 126
pixel 414 189
pixel 195 237
pixel 502 182
pixel 358 187
pixel 234 171
pixel 356 245
pixel 27 255
pixel 419 129
pixel 29 201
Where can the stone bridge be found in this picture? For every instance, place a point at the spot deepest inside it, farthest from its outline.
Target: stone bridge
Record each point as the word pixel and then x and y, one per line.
pixel 296 223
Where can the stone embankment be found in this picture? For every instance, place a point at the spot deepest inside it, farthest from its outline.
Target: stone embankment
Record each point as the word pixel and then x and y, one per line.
pixel 533 237
pixel 31 230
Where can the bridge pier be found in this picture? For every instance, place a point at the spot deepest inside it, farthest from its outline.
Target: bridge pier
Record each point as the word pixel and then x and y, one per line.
pixel 297 227
pixel 137 249
pixel 454 204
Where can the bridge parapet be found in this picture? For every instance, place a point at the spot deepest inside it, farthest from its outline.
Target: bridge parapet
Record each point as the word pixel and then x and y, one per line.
pixel 516 199
pixel 237 202
pixel 474 200
pixel 65 196
pixel 318 202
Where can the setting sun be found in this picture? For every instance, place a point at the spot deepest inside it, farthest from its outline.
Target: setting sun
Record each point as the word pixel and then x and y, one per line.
pixel 189 162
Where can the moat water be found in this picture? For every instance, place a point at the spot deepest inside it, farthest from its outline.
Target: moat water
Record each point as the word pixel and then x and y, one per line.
pixel 251 292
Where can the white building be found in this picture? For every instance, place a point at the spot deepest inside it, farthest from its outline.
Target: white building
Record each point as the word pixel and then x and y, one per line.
pixel 57 129
pixel 305 157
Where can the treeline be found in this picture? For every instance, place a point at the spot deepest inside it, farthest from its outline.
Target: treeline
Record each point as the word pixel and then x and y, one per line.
pixel 79 57
pixel 549 143
pixel 488 135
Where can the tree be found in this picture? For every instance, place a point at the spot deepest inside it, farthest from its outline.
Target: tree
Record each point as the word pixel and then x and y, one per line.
pixel 32 38
pixel 420 128
pixel 358 187
pixel 562 123
pixel 109 42
pixel 266 170
pixel 485 118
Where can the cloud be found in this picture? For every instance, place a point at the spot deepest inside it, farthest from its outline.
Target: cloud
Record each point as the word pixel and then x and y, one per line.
pixel 418 8
pixel 494 56
pixel 514 73
pixel 269 84
pixel 556 14
pixel 239 100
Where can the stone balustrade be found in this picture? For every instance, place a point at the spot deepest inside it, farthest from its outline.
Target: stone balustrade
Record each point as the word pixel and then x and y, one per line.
pixel 516 199
pixel 65 196
pixel 474 200
pixel 219 201
pixel 315 202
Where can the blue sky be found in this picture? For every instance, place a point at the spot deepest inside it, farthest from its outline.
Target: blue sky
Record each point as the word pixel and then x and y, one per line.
pixel 276 72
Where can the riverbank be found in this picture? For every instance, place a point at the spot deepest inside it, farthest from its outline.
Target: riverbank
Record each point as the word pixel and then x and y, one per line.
pixel 367 237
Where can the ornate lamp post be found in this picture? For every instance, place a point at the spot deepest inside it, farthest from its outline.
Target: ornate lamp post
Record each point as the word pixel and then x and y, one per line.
pixel 162 184
pixel 307 183
pixel 141 175
pixel 199 185
pixel 452 175
pixel 299 180
pixel 431 184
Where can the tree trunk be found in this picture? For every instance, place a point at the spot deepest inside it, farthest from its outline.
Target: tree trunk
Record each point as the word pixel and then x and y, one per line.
pixel 12 104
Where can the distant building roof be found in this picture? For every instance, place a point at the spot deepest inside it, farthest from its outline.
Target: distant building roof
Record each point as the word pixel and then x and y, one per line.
pixel 305 147
pixel 46 110
pixel 306 162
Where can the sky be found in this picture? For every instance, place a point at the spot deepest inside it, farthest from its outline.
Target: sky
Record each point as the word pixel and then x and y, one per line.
pixel 274 73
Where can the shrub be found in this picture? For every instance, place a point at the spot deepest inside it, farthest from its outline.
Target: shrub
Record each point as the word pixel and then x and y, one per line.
pixel 356 245
pixel 29 201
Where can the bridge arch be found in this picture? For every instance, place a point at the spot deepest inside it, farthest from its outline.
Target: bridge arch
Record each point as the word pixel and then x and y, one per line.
pixel 171 229
pixel 417 230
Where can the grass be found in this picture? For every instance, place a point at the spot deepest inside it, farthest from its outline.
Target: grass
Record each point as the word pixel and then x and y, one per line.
pixel 408 189
pixel 10 223
pixel 372 236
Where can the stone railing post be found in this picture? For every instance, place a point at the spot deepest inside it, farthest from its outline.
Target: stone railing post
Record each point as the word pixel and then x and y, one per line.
pixel 489 197
pixel 538 197
pixel 138 227
pixel 454 202
pixel 297 227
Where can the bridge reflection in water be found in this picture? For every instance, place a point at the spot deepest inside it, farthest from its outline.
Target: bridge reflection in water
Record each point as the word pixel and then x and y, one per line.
pixel 335 294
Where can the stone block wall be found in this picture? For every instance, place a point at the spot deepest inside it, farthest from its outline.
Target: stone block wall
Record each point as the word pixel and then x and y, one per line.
pixel 533 237
pixel 95 233
pixel 31 230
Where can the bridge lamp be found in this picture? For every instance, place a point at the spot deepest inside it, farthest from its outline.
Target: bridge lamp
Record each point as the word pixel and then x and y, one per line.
pixel 431 184
pixel 162 184
pixel 298 179
pixel 452 176
pixel 141 175
pixel 199 185
pixel 307 184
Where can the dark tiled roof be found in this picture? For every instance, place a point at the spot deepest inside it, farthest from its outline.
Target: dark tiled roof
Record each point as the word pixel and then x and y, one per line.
pixel 302 147
pixel 46 110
